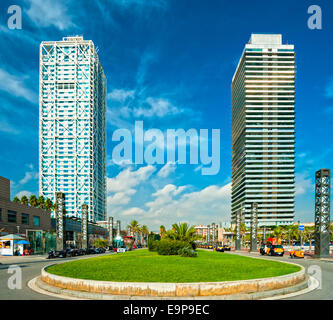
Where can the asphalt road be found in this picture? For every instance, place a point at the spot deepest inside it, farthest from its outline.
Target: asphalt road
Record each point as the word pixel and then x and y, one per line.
pixel 31 267
pixel 321 270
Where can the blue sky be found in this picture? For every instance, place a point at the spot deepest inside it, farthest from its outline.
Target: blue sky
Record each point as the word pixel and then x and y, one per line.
pixel 174 60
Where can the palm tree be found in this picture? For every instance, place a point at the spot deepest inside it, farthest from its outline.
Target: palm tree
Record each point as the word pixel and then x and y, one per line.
pixel 243 231
pixel 41 202
pixel 134 225
pixel 162 231
pixel 16 200
pixel 48 205
pixel 33 201
pixel 183 232
pixel 24 200
pixel 278 233
pixel 145 233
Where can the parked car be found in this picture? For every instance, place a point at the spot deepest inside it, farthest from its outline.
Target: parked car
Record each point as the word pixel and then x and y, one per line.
pixel 122 249
pixel 100 250
pixel 296 253
pixel 219 249
pixel 226 247
pixel 275 250
pixel 60 254
pixel 81 252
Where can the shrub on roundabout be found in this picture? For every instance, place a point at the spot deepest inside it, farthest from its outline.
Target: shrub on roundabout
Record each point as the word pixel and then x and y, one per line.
pixel 187 252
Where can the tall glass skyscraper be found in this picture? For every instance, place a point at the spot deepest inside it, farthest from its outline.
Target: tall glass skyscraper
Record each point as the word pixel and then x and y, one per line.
pixel 72 127
pixel 263 130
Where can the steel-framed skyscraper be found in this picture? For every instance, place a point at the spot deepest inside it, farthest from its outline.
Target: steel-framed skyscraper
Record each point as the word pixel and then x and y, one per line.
pixel 263 130
pixel 72 127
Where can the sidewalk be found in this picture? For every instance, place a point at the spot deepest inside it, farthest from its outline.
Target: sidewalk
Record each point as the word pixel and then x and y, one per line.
pixel 19 259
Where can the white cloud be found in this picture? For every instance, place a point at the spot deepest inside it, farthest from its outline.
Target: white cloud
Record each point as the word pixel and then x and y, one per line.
pixel 134 211
pixel 157 107
pixel 14 85
pixel 302 183
pixel 24 193
pixel 121 95
pixel 7 128
pixel 121 188
pixel 211 204
pixel 47 13
pixel 166 170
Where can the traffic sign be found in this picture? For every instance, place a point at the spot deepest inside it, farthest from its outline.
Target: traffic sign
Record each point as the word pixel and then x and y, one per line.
pixel 301 228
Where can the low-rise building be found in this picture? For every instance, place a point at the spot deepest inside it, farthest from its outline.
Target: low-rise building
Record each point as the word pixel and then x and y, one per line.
pixel 31 223
pixel 20 218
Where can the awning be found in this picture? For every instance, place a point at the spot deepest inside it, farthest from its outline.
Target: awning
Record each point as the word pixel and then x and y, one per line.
pixel 22 242
pixel 11 237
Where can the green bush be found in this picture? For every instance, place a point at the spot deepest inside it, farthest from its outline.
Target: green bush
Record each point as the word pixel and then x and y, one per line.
pixel 187 252
pixel 170 247
pixel 152 244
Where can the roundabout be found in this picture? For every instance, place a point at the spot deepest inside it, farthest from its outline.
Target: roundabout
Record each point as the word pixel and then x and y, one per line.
pixel 146 275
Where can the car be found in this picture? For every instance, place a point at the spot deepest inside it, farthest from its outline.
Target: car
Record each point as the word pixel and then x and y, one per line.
pixel 296 253
pixel 60 254
pixel 219 249
pixel 100 250
pixel 122 249
pixel 81 252
pixel 226 247
pixel 275 250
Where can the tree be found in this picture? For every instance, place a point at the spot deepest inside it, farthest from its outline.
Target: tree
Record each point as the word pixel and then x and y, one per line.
pixel 16 200
pixel 100 243
pixel 183 232
pixel 24 200
pixel 48 205
pixel 162 231
pixel 33 201
pixel 41 202
pixel 134 225
pixel 278 232
pixel 145 233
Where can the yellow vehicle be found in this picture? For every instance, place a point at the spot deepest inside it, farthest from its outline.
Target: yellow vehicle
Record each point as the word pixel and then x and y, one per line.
pixel 296 254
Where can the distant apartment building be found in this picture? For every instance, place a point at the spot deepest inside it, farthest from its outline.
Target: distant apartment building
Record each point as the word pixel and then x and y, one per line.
pixel 263 131
pixel 72 127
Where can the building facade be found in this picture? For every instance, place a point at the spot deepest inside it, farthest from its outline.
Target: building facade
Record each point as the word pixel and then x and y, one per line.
pixel 32 223
pixel 72 127
pixel 263 131
pixel 18 218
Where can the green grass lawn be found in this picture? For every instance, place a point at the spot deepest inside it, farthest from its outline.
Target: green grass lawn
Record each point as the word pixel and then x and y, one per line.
pixel 146 266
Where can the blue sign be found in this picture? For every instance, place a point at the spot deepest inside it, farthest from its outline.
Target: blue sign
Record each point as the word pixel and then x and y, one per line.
pixel 301 228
